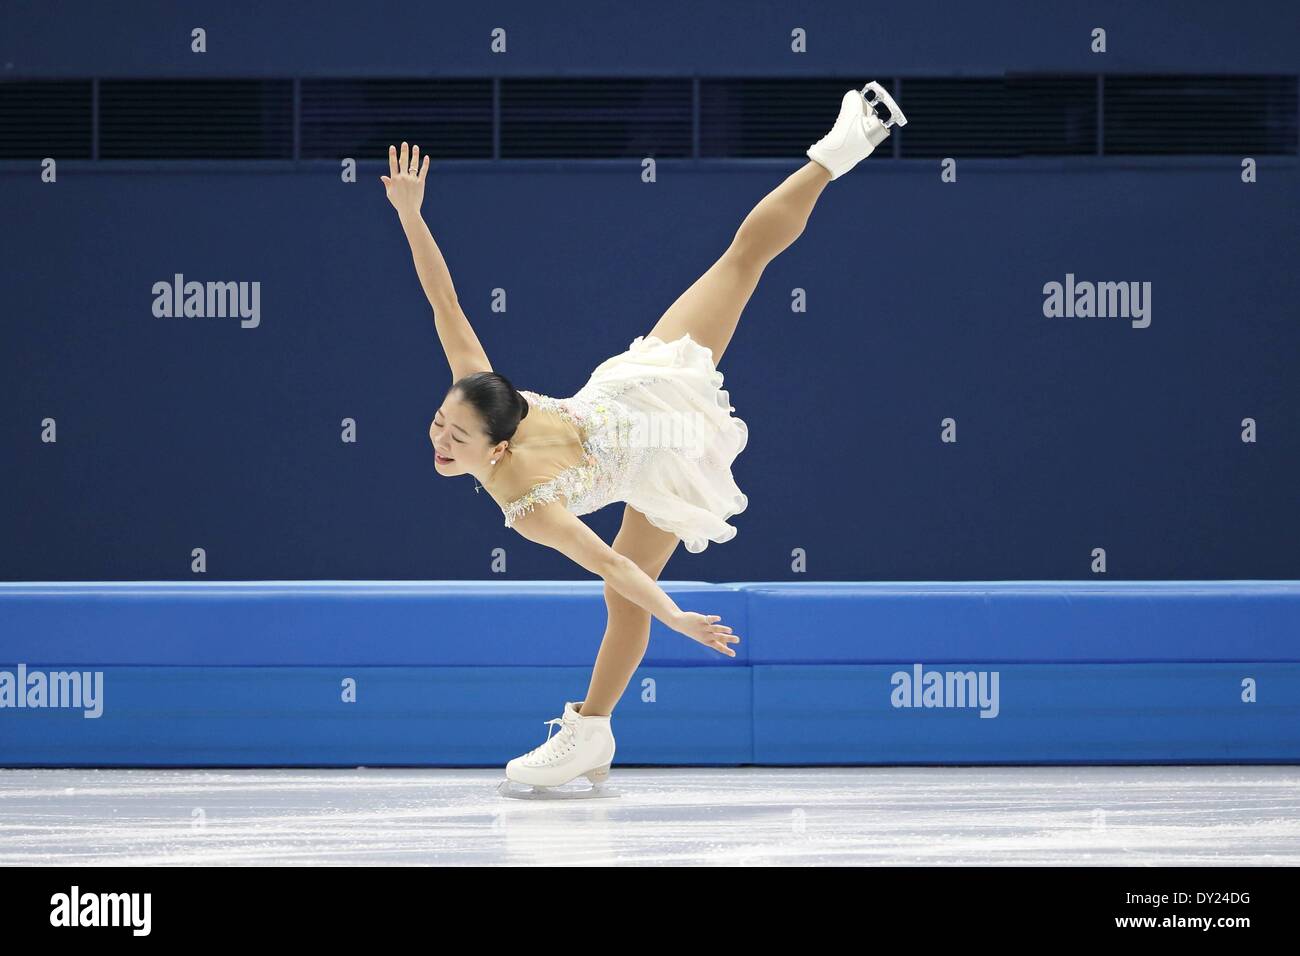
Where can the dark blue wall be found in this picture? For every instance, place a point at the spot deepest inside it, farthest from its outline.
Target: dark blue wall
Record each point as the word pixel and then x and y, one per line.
pixel 751 37
pixel 925 301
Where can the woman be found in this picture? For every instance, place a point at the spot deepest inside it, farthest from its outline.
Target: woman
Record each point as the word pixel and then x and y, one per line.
pixel 547 460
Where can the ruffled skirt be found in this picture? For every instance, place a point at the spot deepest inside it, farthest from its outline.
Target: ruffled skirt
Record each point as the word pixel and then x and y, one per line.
pixel 673 391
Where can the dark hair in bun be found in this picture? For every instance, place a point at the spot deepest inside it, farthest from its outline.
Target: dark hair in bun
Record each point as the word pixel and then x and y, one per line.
pixel 499 403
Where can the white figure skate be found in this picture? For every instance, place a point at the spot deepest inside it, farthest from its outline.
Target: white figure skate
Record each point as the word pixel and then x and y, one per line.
pixel 866 118
pixel 583 747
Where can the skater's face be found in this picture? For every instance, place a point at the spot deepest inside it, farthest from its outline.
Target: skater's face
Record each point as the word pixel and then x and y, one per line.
pixel 459 438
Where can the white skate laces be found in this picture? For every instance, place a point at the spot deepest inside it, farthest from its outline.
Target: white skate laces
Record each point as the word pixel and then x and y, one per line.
pixel 866 118
pixel 556 748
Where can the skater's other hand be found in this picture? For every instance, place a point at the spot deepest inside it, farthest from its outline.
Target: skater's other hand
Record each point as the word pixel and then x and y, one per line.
pixel 405 179
pixel 705 629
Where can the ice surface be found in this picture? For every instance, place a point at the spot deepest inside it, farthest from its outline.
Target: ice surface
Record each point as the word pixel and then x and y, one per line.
pixel 1129 816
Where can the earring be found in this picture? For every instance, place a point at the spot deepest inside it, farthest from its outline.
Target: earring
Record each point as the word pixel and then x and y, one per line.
pixel 494 461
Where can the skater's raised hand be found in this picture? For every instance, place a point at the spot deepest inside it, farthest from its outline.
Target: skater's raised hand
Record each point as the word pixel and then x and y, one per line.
pixel 405 179
pixel 705 629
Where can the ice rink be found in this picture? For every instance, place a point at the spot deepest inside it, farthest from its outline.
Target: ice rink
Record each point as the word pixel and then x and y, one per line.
pixel 1128 816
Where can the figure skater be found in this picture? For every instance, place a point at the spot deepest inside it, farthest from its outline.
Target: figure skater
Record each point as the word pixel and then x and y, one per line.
pixel 652 428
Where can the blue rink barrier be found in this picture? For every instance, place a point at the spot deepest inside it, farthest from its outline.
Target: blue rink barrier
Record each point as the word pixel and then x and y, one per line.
pixel 464 673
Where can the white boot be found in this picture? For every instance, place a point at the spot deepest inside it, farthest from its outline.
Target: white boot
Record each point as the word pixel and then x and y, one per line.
pixel 865 120
pixel 583 747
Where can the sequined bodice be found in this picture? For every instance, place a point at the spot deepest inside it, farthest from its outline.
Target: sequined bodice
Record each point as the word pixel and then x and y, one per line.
pixel 606 458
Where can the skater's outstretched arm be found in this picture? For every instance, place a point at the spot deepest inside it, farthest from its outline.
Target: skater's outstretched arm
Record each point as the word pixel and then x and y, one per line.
pixel 405 187
pixel 557 528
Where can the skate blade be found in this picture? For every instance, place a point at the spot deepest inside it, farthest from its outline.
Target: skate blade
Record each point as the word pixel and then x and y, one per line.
pixel 893 116
pixel 523 791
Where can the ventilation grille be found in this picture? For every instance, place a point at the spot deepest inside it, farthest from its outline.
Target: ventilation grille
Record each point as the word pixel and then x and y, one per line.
pixel 595 118
pixel 44 118
pixel 1000 117
pixel 449 119
pixel 1182 115
pixel 629 118
pixel 759 118
pixel 196 119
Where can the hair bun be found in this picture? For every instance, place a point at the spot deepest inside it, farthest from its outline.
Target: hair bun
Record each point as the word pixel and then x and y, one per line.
pixel 523 405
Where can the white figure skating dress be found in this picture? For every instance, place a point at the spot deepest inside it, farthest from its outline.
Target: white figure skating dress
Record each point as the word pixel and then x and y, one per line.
pixel 652 427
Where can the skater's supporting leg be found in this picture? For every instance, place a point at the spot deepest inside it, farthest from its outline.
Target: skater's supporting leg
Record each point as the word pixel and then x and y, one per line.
pixel 711 307
pixel 627 633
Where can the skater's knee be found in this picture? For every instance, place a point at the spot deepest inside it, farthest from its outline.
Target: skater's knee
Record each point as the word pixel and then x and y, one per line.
pixel 614 600
pixel 748 252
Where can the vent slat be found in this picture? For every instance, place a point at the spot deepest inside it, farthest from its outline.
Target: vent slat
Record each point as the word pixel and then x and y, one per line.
pixel 595 118
pixel 196 119
pixel 40 118
pixel 1005 117
pixel 449 119
pixel 1217 115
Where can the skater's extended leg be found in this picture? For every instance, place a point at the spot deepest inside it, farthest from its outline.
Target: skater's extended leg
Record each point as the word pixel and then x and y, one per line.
pixel 711 307
pixel 627 633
